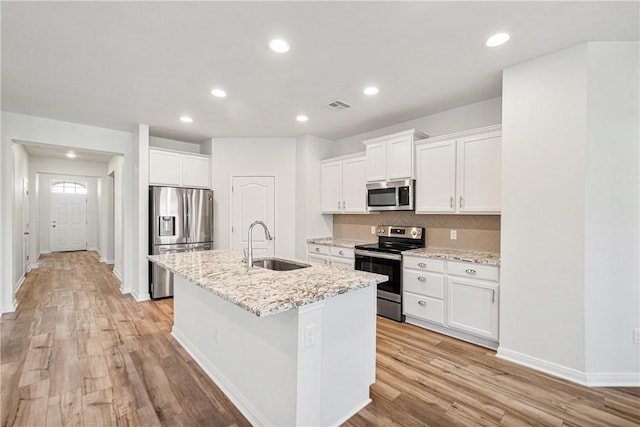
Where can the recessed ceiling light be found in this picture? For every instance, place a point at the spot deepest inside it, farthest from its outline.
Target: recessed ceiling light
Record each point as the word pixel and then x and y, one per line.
pixel 71 155
pixel 497 40
pixel 219 93
pixel 371 90
pixel 186 119
pixel 302 118
pixel 279 45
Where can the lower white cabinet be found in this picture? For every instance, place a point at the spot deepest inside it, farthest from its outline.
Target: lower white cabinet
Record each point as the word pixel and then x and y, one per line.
pixel 452 297
pixel 331 255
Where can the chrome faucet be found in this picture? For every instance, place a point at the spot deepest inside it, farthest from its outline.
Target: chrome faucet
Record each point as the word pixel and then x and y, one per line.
pixel 267 236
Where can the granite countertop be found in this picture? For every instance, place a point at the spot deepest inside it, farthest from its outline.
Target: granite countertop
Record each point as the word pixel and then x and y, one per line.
pixel 341 243
pixel 490 258
pixel 259 290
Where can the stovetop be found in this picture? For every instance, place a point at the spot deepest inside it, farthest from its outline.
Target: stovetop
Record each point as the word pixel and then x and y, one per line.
pixel 395 239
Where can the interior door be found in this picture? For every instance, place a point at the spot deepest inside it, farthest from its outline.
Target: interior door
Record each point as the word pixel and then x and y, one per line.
pixel 25 225
pixel 253 200
pixel 68 222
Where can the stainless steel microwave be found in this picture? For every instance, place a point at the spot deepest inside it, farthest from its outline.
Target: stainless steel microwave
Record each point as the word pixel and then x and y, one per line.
pixel 390 195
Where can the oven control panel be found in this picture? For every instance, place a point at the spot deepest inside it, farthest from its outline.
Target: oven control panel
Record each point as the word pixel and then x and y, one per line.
pixel 398 231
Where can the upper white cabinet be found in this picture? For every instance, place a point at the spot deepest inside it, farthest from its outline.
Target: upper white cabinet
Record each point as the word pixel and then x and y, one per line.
pixel 390 157
pixel 179 169
pixel 343 185
pixel 460 173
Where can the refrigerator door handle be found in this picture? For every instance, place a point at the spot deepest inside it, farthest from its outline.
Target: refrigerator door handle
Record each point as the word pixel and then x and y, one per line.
pixel 185 222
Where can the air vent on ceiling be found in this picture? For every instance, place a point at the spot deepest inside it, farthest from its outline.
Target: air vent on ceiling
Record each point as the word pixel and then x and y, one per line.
pixel 338 104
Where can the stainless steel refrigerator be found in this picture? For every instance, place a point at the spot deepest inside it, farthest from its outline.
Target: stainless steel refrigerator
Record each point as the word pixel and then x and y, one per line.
pixel 180 220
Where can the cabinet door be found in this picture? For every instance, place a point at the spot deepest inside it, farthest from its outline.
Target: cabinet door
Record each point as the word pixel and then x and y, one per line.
pixel 342 263
pixel 195 171
pixel 436 177
pixel 164 167
pixel 479 174
pixel 400 158
pixel 318 259
pixel 473 307
pixel 354 185
pixel 377 161
pixel 331 187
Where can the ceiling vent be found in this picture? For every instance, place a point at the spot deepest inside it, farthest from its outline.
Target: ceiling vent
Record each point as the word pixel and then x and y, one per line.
pixel 338 105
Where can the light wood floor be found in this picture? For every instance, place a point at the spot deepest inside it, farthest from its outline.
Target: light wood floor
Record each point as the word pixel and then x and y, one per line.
pixel 78 352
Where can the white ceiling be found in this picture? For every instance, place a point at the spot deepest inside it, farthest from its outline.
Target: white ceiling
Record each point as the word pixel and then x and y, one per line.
pixel 116 64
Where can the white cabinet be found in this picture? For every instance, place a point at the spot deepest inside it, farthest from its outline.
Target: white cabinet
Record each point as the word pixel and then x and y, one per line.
pixel 179 169
pixel 331 255
pixel 390 157
pixel 343 185
pixel 473 294
pixel 460 173
pixel 452 297
pixel 195 171
pixel 165 167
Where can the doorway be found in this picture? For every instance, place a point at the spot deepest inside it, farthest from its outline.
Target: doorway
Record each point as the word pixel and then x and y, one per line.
pixel 253 199
pixel 68 215
pixel 26 247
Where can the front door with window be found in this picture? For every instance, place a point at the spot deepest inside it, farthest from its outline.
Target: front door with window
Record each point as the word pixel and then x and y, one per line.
pixel 68 220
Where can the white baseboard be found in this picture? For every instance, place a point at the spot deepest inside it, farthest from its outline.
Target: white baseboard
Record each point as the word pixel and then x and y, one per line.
pixel 9 308
pixel 599 379
pixel 614 379
pixel 117 274
pixel 142 297
pixel 20 282
pixel 237 398
pixel 44 252
pixel 542 365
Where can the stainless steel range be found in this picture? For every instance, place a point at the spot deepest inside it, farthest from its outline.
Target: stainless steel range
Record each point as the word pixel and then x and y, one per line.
pixel 385 258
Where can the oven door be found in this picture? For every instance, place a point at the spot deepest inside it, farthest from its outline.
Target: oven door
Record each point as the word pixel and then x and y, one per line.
pixel 386 264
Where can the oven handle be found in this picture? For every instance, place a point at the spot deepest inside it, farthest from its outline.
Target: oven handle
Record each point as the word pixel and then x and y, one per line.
pixel 396 257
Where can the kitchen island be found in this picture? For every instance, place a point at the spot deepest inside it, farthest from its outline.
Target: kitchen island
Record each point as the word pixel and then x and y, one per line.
pixel 287 347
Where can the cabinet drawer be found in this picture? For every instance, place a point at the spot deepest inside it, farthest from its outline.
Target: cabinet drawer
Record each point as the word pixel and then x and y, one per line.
pixel 342 252
pixel 427 284
pixel 424 308
pixel 427 264
pixel 475 271
pixel 318 249
pixel 318 259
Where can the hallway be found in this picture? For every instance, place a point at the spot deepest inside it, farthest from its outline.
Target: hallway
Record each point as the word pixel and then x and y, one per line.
pixel 78 352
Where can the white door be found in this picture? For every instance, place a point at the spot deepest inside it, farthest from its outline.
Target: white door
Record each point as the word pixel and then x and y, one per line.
pixel 479 180
pixel 331 187
pixel 25 224
pixel 436 177
pixel 354 185
pixel 252 199
pixel 400 158
pixel 68 221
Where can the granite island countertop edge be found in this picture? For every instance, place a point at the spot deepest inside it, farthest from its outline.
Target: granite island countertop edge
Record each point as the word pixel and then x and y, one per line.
pixel 261 291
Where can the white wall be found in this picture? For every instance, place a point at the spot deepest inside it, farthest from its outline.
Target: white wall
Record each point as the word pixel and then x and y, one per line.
pixel 71 135
pixel 309 222
pixel 612 221
pixel 115 168
pixel 172 144
pixel 479 114
pixel 568 263
pixel 256 157
pixel 140 287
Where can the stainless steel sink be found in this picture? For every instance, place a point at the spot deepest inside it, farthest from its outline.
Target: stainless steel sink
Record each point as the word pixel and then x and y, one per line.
pixel 278 264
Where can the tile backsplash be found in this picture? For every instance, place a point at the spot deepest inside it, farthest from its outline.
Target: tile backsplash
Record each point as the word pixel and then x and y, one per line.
pixel 475 232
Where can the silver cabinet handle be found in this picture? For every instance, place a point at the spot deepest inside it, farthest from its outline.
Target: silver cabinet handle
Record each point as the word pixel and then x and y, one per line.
pixel 317 249
pixel 422 265
pixel 422 303
pixel 338 204
pixel 461 202
pixel 493 296
pixel 470 271
pixel 344 204
pixel 451 201
pixel 341 252
pixel 422 279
